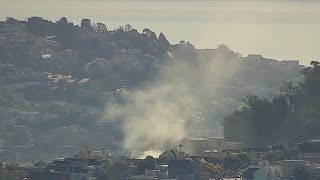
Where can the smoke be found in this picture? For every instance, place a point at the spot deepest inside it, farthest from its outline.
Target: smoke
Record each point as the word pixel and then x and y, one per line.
pixel 163 114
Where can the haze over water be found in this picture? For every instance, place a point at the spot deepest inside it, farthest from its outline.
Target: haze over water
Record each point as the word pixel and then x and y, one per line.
pixel 280 30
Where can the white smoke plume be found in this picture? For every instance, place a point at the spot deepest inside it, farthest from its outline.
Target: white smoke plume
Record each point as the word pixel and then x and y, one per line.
pixel 160 116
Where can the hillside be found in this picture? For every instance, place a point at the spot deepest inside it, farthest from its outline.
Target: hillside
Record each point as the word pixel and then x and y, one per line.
pixel 59 81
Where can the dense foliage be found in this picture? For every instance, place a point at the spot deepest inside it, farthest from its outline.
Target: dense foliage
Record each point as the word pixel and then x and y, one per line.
pixel 292 115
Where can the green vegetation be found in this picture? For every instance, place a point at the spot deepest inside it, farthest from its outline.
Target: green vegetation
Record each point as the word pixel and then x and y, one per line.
pixel 293 115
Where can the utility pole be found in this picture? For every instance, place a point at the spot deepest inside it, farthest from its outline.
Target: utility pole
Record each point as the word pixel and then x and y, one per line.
pixel 6 167
pixel 104 151
pixel 6 170
pixel 180 146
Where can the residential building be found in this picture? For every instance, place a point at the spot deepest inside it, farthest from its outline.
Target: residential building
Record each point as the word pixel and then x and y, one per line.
pixel 171 154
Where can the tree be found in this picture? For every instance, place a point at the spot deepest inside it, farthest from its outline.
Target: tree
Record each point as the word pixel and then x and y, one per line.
pixel 315 63
pixel 63 20
pixel 11 20
pixel 64 32
pixel 39 26
pixel 264 123
pixel 252 101
pixel 260 123
pixel 150 34
pixel 127 28
pixel 281 105
pixel 163 40
pixel 312 74
pixel 86 23
pixel 223 48
pixel 120 29
pixel 290 91
pixel 101 27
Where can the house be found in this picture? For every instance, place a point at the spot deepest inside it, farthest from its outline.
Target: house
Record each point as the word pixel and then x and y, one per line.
pixel 46 56
pixel 255 173
pixel 181 170
pixel 171 155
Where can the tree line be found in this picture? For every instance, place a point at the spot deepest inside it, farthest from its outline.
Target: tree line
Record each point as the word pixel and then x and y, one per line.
pixel 293 115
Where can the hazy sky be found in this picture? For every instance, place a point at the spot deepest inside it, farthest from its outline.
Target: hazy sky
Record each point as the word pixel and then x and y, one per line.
pixel 284 30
